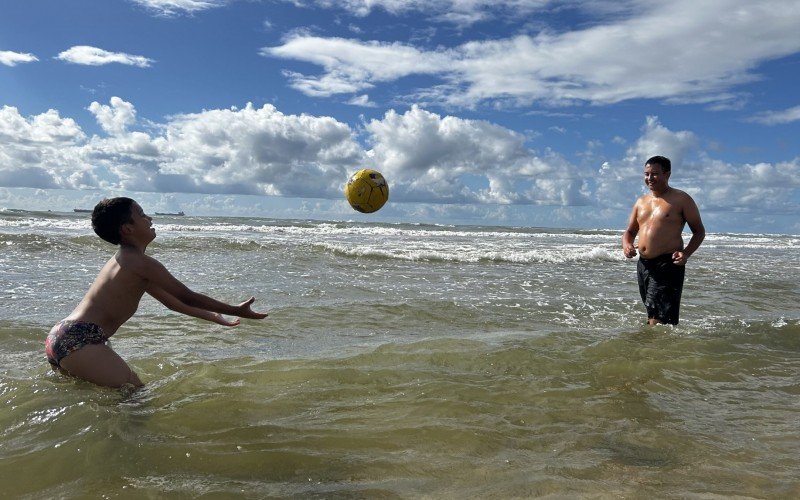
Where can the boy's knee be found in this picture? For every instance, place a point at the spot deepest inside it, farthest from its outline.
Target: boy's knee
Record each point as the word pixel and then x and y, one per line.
pixel 134 380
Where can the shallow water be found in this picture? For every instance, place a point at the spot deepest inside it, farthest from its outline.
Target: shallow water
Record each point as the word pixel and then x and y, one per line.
pixel 404 361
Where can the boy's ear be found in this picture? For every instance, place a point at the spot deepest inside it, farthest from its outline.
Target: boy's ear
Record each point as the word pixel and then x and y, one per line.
pixel 125 228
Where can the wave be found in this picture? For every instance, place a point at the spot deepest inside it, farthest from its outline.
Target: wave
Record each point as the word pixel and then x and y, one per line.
pixel 43 242
pixel 474 255
pixel 397 241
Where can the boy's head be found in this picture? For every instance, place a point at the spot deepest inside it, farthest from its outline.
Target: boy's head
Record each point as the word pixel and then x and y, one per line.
pixel 108 217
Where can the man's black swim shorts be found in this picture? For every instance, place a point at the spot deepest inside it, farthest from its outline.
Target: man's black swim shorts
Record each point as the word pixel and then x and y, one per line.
pixel 660 285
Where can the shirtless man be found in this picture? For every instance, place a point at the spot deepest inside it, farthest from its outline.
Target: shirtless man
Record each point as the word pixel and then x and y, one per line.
pixel 77 345
pixel 658 218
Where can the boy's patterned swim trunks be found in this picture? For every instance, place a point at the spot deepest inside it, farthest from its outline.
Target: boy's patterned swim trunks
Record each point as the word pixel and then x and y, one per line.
pixel 69 336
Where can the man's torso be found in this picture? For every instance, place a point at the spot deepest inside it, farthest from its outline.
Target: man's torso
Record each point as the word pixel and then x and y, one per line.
pixel 661 223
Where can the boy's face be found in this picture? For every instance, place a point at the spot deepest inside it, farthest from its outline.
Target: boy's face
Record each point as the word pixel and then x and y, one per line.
pixel 141 225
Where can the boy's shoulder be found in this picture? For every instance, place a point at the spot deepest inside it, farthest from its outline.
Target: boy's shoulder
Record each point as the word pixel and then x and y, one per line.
pixel 133 259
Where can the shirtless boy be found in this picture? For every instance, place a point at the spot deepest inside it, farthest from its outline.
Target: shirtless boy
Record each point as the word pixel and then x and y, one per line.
pixel 658 218
pixel 77 345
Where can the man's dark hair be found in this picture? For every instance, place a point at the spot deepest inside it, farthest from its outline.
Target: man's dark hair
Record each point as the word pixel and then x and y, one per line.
pixel 666 165
pixel 108 217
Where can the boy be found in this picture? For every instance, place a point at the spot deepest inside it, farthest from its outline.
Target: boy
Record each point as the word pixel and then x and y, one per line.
pixel 77 345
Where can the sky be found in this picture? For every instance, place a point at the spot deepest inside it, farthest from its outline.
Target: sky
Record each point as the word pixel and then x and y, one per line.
pixel 509 112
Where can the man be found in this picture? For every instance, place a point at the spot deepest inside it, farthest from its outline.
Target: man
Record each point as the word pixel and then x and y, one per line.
pixel 658 218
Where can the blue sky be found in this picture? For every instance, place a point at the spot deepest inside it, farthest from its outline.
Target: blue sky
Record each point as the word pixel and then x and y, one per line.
pixel 521 112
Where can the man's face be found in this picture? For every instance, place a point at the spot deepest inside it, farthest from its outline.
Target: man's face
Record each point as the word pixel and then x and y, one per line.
pixel 655 178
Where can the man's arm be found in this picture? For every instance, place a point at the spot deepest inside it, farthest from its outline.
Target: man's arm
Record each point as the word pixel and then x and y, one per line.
pixel 692 216
pixel 629 236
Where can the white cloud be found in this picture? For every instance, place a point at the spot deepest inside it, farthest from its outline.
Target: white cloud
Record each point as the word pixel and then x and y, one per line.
pixel 114 118
pixel 352 66
pixel 452 160
pixel 425 157
pixel 682 50
pixel 261 150
pixel 251 151
pixel 93 56
pixel 778 117
pixel 36 151
pixel 363 101
pixel 714 184
pixel 10 58
pixel 45 129
pixel 620 182
pixel 458 12
pixel 174 7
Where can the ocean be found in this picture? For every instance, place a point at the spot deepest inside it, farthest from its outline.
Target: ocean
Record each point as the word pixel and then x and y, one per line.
pixel 406 361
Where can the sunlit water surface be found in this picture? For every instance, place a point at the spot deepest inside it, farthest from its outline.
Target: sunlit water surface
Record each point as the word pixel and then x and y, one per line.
pixel 407 361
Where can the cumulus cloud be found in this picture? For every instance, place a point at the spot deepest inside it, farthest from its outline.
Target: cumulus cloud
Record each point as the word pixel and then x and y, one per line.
pixel 240 151
pixel 620 182
pixel 778 117
pixel 262 150
pixel 450 159
pixel 686 59
pixel 114 118
pixel 10 58
pixel 714 184
pixel 426 157
pixel 37 151
pixel 93 56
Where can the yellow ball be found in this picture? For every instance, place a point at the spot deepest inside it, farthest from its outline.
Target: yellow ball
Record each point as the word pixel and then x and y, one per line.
pixel 366 190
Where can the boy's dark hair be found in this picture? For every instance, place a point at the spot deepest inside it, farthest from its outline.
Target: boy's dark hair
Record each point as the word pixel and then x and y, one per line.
pixel 666 165
pixel 108 217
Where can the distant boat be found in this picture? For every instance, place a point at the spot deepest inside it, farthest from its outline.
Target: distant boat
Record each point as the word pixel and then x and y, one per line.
pixel 82 210
pixel 168 213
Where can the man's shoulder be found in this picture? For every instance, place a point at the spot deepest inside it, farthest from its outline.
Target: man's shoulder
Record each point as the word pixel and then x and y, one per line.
pixel 680 195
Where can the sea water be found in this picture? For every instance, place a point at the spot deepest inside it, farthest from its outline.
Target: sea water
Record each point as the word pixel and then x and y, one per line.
pixel 406 361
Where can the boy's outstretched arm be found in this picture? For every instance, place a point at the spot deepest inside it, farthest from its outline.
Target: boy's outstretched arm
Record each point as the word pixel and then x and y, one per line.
pixel 160 278
pixel 175 304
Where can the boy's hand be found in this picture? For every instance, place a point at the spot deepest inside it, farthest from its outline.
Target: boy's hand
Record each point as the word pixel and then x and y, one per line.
pixel 244 310
pixel 218 318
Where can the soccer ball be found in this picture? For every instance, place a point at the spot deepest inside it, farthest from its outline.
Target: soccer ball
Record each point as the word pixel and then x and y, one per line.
pixel 366 190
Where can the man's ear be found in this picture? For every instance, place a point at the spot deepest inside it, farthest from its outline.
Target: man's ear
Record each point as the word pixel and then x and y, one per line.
pixel 125 229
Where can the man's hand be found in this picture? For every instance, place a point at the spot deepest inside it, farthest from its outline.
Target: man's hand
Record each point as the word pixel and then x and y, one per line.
pixel 679 258
pixel 629 251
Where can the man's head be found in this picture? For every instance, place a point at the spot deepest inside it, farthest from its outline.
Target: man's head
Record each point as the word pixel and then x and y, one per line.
pixel 666 165
pixel 656 174
pixel 108 217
